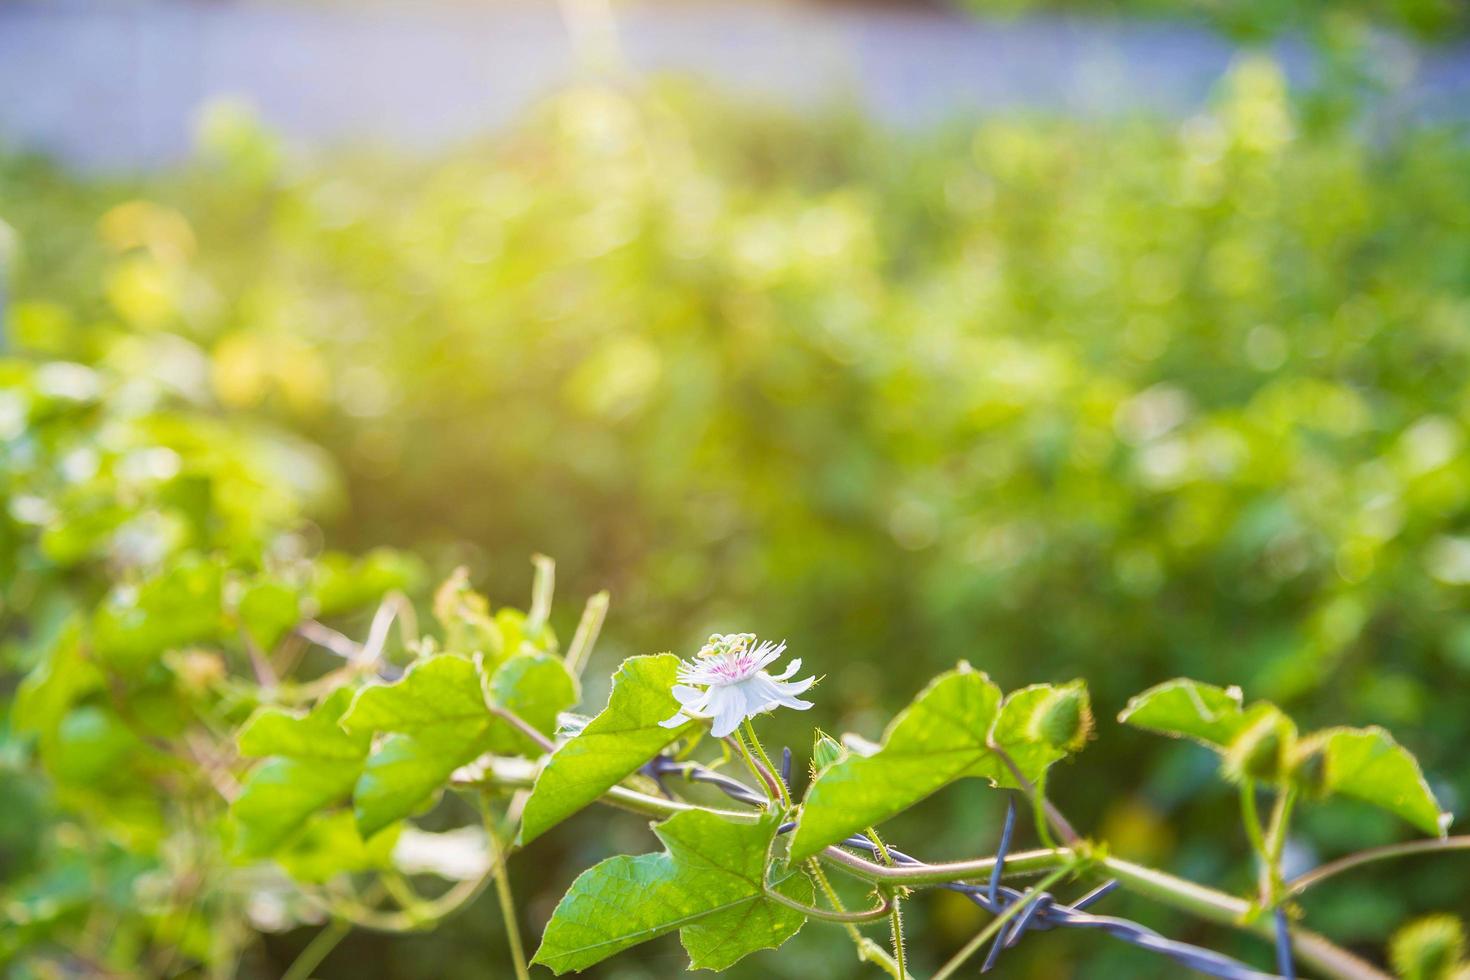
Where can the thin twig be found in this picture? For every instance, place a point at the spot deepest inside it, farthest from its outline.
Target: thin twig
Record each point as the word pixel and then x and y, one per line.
pixel 395 606
pixel 317 950
pixel 329 639
pixel 498 855
pixel 1321 873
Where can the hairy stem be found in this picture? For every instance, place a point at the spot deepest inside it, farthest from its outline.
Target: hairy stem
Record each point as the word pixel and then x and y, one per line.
pixel 1200 901
pixel 1216 906
pixel 867 950
pixel 760 750
pixel 1017 864
pixel 767 779
pixel 895 918
pixel 1276 842
pixel 1251 818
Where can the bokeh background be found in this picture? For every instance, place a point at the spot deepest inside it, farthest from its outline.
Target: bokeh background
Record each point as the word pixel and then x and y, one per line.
pixel 1169 381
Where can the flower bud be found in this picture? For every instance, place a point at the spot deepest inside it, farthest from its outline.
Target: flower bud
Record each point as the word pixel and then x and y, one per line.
pixel 1062 719
pixel 1428 949
pixel 1309 767
pixel 1261 752
pixel 826 752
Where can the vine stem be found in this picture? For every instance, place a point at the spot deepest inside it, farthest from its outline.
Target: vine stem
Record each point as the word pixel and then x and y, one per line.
pixel 895 918
pixel 506 900
pixel 1198 900
pixel 1251 817
pixel 317 950
pixel 995 925
pixel 421 915
pixel 814 868
pixel 867 950
pixel 867 915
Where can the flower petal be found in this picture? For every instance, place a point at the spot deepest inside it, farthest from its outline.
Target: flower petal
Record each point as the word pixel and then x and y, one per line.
pixel 791 668
pixel 729 707
pixel 768 653
pixel 794 687
pixel 679 718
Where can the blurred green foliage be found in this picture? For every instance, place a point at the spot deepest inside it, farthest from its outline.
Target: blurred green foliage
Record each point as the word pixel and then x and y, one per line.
pixel 1426 19
pixel 1120 399
pixel 139 535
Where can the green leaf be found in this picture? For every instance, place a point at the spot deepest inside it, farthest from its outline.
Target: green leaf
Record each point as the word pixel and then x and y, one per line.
pixel 1183 708
pixel 62 678
pixel 438 714
pixel 343 584
pixel 939 738
pixel 708 884
pixel 90 745
pixel 441 723
pixel 405 774
pixel 538 688
pixel 1367 764
pixel 330 845
pixel 311 764
pixel 268 610
pixel 624 736
pixel 134 625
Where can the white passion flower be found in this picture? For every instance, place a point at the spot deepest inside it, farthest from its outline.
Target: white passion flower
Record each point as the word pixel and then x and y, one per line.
pixel 728 682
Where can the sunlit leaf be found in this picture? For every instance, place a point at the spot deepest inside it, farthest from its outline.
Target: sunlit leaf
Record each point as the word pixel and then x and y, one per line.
pixel 624 736
pixel 90 744
pixel 939 738
pixel 330 845
pixel 1366 763
pixel 709 884
pixel 440 722
pixel 134 625
pixel 62 677
pixel 268 610
pixel 311 763
pixel 1183 708
pixel 343 584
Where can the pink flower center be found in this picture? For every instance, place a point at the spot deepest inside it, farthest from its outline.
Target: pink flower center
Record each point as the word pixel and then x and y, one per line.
pixel 733 667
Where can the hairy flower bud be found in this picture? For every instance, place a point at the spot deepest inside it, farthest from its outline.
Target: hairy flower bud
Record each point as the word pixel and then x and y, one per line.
pixel 1063 719
pixel 826 751
pixel 1428 949
pixel 1261 752
pixel 1309 767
